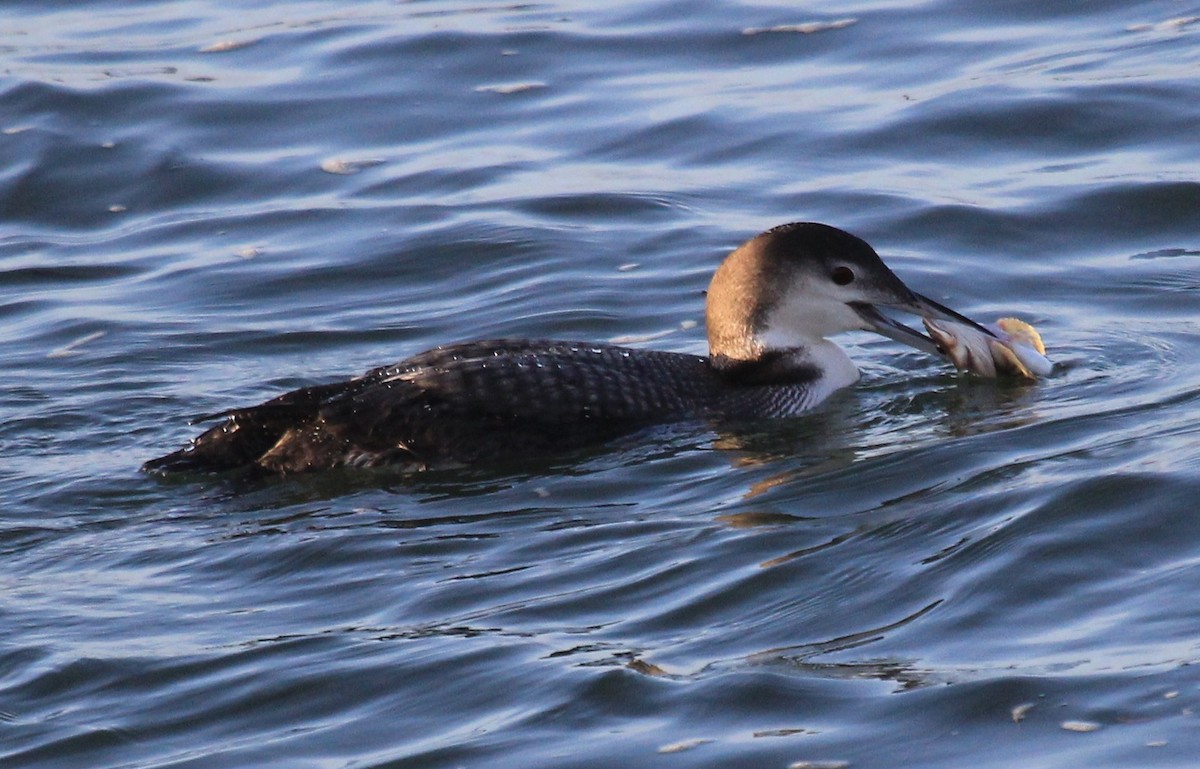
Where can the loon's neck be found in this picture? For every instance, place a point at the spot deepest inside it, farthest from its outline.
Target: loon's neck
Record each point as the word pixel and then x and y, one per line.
pixel 837 370
pixel 820 361
pixel 816 370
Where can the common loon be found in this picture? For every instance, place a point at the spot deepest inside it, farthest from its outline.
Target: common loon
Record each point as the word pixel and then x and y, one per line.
pixel 771 305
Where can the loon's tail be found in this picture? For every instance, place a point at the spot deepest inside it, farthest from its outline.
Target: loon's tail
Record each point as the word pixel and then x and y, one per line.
pixel 235 443
pixel 246 434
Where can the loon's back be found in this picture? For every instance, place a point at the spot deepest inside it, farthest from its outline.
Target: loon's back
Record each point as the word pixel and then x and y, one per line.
pixel 473 402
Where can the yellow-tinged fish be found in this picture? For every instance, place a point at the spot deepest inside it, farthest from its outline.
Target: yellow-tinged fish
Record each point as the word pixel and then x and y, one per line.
pixel 1014 347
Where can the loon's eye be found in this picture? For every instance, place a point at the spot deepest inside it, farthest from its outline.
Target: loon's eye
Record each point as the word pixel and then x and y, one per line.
pixel 842 275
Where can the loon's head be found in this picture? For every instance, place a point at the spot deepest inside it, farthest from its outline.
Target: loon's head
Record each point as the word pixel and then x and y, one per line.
pixel 794 285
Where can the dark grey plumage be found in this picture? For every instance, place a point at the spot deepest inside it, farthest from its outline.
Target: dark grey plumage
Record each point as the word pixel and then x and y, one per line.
pixel 479 401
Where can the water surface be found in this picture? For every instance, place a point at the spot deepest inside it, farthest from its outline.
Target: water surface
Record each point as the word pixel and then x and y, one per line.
pixel 202 205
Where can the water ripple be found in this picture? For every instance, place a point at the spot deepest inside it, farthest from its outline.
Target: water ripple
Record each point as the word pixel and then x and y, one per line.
pixel 201 208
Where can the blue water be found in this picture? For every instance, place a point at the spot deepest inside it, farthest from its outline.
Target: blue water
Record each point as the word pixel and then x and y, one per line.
pixel 205 204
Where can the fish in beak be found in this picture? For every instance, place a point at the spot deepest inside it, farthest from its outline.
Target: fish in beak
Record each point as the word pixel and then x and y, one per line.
pixel 1009 347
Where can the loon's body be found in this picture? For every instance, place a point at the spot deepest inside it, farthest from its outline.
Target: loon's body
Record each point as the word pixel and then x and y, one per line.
pixel 770 306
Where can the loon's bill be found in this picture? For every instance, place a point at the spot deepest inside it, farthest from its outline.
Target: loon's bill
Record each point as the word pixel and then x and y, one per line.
pixel 772 306
pixel 924 307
